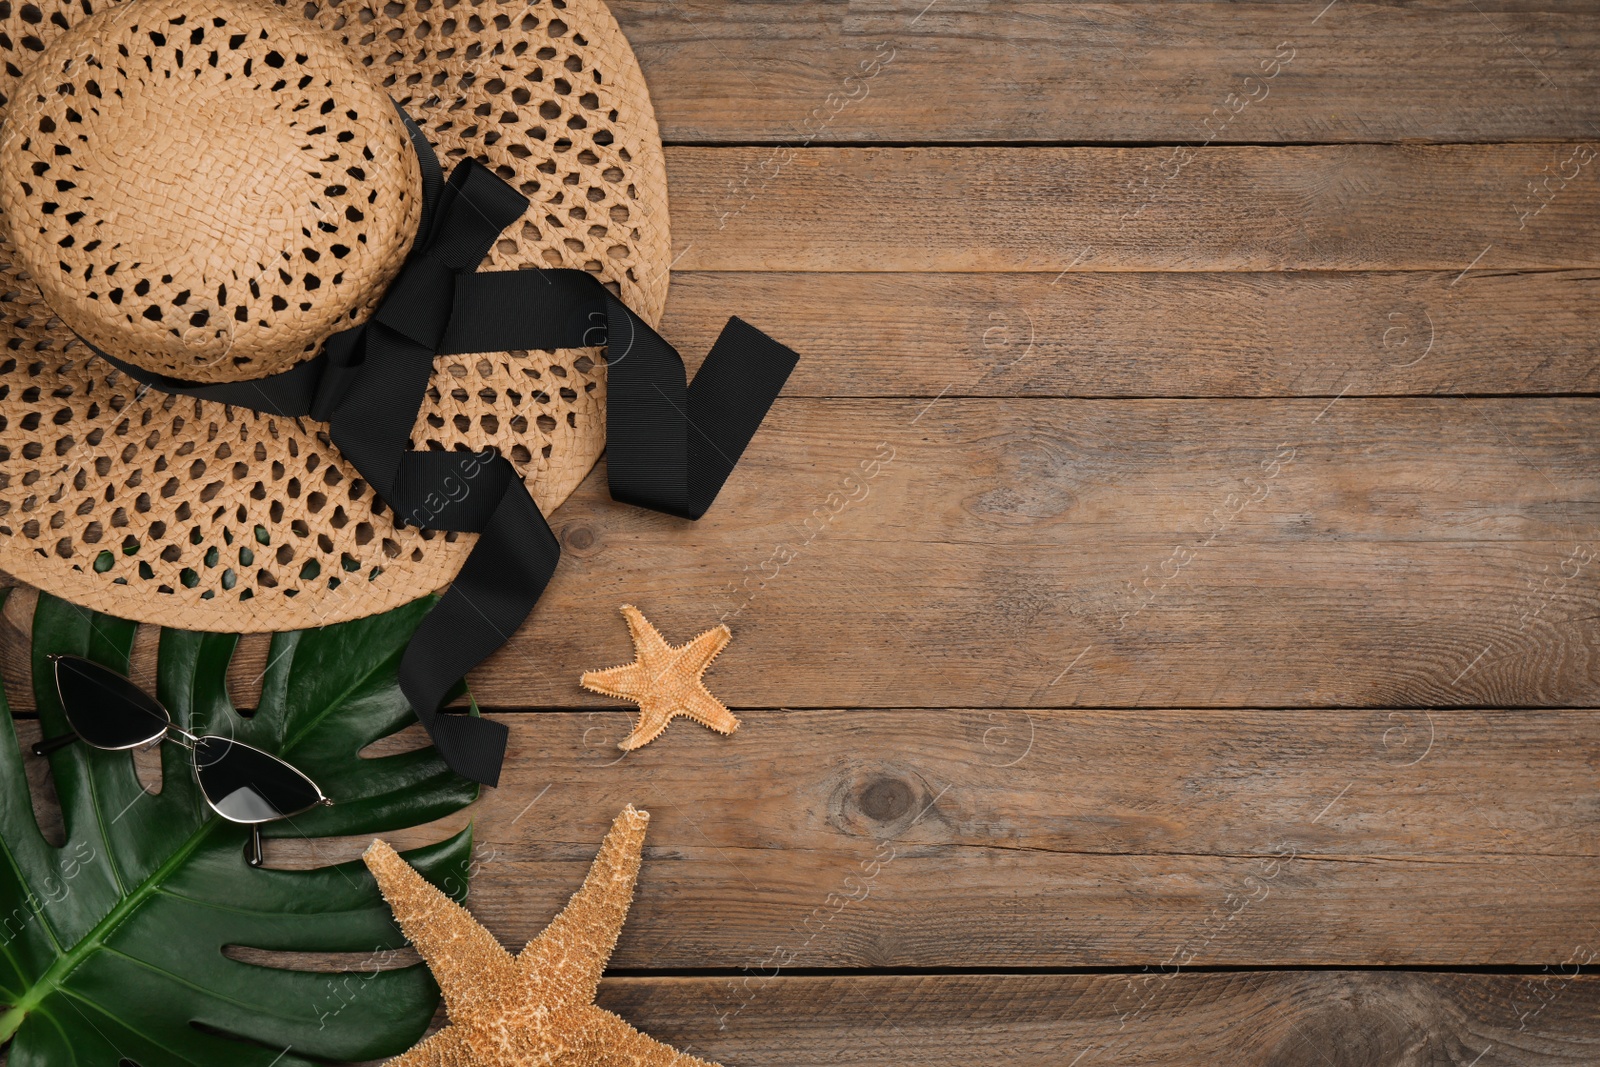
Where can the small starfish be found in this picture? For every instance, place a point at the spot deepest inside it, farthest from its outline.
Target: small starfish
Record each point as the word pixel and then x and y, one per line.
pixel 664 681
pixel 537 1007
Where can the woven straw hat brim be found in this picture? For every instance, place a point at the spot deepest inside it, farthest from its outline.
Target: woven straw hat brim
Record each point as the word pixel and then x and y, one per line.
pixel 180 512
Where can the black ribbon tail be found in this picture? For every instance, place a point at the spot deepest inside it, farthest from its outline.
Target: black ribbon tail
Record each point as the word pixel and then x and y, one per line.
pixel 670 445
pixel 728 399
pixel 516 553
pixel 474 748
pixel 490 597
pixel 647 452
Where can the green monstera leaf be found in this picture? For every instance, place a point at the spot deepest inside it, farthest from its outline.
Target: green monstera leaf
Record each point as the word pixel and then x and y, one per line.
pixel 111 946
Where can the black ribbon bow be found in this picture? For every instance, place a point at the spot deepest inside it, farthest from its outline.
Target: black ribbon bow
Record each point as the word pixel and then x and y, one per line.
pixel 670 444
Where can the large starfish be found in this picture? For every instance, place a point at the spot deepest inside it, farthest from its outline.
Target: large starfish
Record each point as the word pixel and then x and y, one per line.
pixel 537 1007
pixel 664 681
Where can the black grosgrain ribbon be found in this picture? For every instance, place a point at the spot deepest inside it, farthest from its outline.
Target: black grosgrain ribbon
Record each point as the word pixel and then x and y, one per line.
pixel 670 444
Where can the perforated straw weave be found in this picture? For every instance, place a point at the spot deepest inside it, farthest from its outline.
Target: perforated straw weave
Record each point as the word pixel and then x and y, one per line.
pixel 239 218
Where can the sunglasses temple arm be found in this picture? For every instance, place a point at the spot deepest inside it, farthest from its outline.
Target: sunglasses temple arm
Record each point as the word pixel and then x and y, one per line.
pixel 252 847
pixel 52 744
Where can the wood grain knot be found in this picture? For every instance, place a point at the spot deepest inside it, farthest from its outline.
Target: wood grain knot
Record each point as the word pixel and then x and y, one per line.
pixel 1357 1027
pixel 878 801
pixel 580 541
pixel 885 799
pixel 1030 475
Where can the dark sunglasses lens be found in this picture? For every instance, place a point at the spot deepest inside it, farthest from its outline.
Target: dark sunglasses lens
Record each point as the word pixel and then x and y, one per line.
pixel 106 709
pixel 245 784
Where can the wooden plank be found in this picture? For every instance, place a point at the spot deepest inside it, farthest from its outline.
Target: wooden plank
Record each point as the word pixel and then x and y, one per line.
pixel 824 71
pixel 974 838
pixel 1270 838
pixel 1276 1019
pixel 960 553
pixel 1396 552
pixel 1133 335
pixel 1348 207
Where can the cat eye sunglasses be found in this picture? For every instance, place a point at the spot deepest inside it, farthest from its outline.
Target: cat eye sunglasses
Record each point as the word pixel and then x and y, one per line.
pixel 243 784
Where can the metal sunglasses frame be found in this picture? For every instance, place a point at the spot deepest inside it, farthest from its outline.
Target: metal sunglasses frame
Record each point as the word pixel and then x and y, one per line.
pixel 171 731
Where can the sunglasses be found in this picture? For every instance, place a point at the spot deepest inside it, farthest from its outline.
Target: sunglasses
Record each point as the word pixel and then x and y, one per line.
pixel 241 783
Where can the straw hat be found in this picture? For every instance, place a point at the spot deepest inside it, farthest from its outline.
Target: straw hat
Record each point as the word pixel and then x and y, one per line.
pixel 207 189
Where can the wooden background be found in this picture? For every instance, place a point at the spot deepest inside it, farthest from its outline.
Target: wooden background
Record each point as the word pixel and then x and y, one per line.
pixel 1165 602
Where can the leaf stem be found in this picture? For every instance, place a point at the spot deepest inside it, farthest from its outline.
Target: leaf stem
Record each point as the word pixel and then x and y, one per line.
pixel 65 964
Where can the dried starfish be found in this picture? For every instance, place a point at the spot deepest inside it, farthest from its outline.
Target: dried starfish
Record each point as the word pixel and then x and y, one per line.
pixel 664 681
pixel 537 1007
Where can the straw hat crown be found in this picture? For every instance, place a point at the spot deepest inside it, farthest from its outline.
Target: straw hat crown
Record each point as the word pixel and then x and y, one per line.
pixel 206 189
